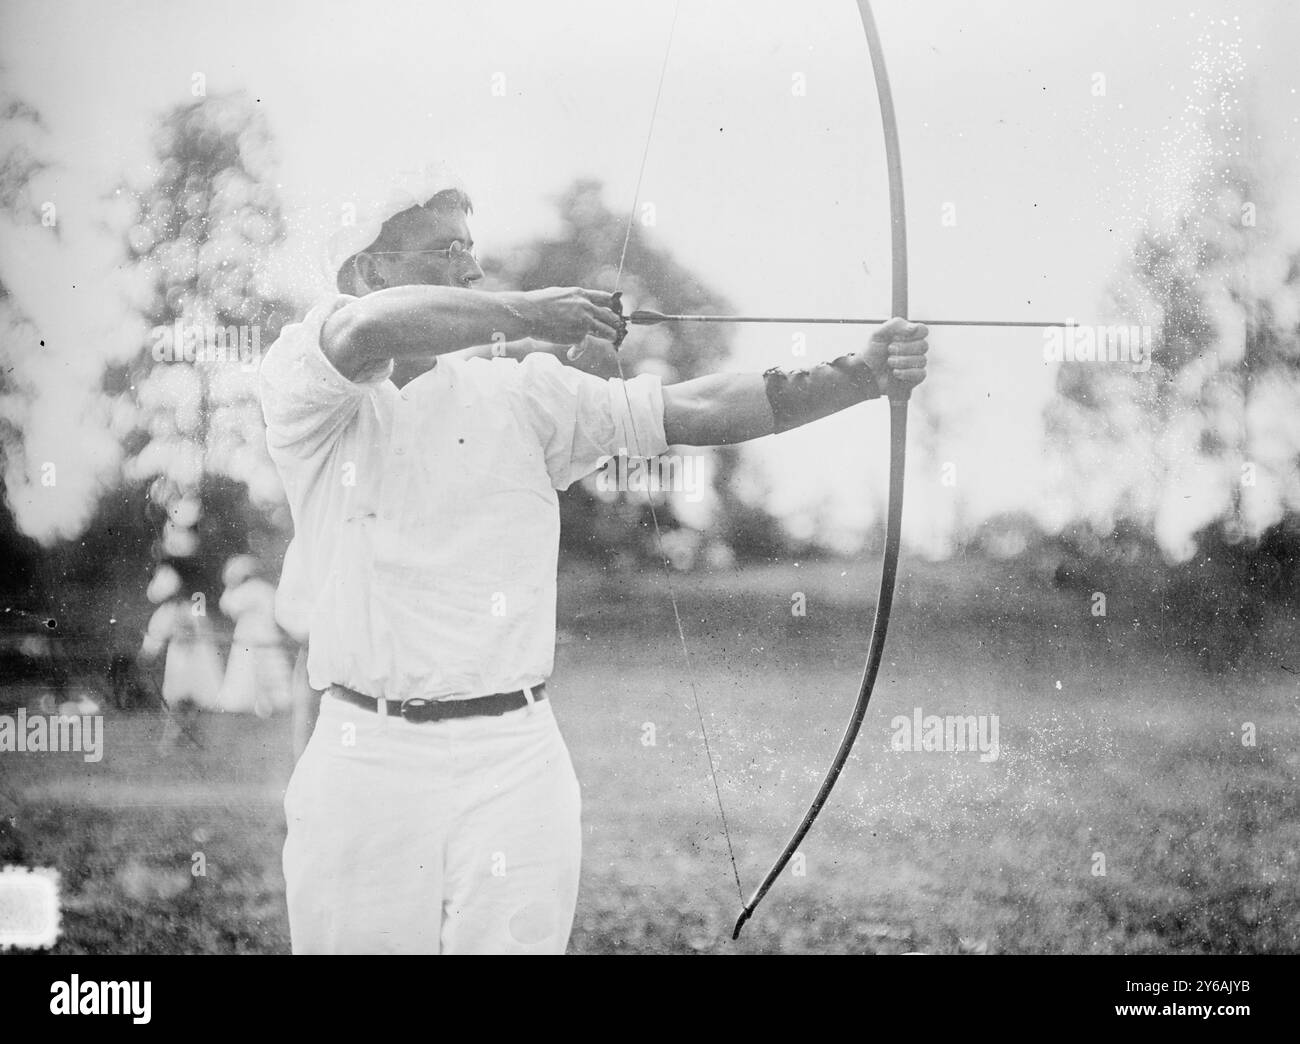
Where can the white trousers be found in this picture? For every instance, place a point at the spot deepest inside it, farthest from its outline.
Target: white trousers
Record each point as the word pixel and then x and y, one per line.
pixel 457 836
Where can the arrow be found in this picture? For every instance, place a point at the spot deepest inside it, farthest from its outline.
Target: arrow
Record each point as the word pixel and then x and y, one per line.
pixel 649 317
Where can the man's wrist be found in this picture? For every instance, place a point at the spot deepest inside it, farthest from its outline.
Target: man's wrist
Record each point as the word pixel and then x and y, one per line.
pixel 521 310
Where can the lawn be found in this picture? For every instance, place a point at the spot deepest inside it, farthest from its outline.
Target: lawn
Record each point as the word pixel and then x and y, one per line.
pixel 1123 813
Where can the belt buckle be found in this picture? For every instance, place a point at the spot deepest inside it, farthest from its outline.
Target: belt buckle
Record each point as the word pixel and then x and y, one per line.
pixel 415 704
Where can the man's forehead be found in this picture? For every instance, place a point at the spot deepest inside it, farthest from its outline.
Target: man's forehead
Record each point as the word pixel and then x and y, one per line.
pixel 429 223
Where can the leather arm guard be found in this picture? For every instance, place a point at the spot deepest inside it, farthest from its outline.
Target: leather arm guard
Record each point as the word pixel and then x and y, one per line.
pixel 800 396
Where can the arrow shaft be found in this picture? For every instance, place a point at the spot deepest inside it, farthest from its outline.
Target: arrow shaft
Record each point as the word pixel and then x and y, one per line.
pixel 644 318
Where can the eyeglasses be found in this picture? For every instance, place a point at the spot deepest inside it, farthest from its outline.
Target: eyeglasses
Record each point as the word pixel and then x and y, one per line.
pixel 455 252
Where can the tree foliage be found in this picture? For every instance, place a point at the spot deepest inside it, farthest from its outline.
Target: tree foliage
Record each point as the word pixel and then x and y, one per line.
pixel 204 224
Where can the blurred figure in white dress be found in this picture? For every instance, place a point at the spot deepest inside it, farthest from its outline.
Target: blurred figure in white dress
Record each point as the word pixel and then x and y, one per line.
pixel 258 670
pixel 179 630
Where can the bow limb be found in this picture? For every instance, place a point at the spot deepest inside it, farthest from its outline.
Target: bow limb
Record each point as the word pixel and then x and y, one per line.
pixel 897 461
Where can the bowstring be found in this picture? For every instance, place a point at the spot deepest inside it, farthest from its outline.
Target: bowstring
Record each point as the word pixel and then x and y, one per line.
pixel 654 515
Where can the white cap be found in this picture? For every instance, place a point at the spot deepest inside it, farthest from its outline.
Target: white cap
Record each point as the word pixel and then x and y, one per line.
pixel 362 217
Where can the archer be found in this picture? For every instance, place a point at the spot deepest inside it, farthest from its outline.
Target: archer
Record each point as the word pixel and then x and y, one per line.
pixel 435 809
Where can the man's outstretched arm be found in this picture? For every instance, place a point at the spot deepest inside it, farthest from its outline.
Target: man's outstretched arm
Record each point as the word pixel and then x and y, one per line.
pixel 725 408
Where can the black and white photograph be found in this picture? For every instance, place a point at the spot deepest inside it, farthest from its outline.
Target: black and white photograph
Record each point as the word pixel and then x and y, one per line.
pixel 608 477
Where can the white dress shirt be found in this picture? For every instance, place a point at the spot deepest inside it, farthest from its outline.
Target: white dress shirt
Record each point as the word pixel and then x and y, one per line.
pixel 426 521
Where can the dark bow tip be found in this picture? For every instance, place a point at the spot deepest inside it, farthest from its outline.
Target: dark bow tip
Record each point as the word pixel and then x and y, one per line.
pixel 740 923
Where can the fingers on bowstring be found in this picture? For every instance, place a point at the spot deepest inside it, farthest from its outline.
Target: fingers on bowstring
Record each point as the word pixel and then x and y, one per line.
pixel 617 304
pixel 614 334
pixel 606 329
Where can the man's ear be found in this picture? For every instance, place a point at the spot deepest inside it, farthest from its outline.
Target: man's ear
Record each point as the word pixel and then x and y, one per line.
pixel 368 272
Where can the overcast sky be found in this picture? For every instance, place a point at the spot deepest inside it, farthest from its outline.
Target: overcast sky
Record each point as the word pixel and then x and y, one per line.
pixel 776 197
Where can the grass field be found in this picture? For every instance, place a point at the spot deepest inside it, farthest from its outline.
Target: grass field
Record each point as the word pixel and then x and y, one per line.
pixel 1111 751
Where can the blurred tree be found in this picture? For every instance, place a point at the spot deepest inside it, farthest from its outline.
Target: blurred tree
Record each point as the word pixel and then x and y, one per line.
pixel 1197 456
pixel 23 157
pixel 1198 442
pixel 609 526
pixel 31 648
pixel 22 572
pixel 205 220
pixel 52 411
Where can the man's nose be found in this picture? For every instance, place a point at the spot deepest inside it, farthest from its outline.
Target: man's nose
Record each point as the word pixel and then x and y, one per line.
pixel 474 272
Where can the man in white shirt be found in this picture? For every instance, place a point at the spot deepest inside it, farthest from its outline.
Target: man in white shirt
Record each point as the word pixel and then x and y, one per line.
pixel 435 809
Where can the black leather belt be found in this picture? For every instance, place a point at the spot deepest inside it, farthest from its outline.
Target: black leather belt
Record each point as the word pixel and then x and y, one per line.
pixel 420 710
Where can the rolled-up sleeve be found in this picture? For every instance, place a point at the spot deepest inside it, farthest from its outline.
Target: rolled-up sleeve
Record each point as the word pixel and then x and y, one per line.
pixel 306 402
pixel 582 420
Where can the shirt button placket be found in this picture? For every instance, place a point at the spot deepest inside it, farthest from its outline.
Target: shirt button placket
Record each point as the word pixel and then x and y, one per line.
pixel 398 465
